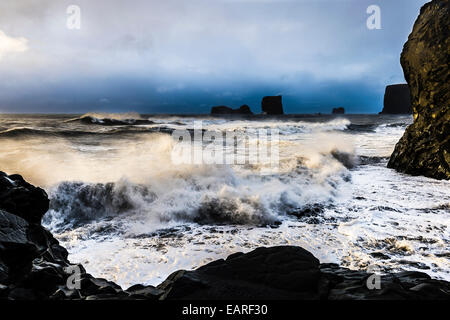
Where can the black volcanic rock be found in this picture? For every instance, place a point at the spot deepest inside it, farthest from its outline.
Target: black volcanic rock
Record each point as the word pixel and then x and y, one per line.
pixel 22 199
pixel 277 272
pixel 424 148
pixel 272 105
pixel 339 110
pixel 289 272
pixel 397 100
pixel 244 109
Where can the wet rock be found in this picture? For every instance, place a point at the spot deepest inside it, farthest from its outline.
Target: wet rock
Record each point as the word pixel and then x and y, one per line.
pixel 308 214
pixel 424 148
pixel 22 294
pixel 287 272
pixel 140 291
pixel 415 264
pixel 278 272
pixel 17 252
pixel 380 255
pixel 272 105
pixel 93 286
pixel 397 100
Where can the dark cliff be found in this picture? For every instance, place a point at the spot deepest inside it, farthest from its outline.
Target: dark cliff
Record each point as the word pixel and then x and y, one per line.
pixel 424 148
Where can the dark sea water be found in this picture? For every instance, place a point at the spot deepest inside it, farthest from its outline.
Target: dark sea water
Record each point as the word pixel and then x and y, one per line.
pixel 124 209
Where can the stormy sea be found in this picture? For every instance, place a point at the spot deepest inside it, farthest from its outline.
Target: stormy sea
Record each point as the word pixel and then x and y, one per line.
pixel 128 213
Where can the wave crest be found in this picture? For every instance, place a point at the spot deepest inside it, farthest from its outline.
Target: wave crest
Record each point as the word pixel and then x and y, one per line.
pixel 112 119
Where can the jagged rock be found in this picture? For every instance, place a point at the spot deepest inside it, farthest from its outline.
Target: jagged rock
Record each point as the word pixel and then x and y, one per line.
pixel 339 110
pixel 140 291
pixel 277 272
pixel 288 272
pixel 272 105
pixel 244 109
pixel 21 198
pixel 424 148
pixel 397 100
pixel 94 286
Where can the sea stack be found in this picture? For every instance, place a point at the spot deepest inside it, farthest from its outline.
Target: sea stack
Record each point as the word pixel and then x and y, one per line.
pixel 272 105
pixel 339 110
pixel 244 109
pixel 397 100
pixel 424 148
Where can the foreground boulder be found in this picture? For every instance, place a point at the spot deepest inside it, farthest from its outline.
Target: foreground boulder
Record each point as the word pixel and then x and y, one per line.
pixel 244 109
pixel 397 100
pixel 272 105
pixel 22 199
pixel 289 272
pixel 33 266
pixel 424 148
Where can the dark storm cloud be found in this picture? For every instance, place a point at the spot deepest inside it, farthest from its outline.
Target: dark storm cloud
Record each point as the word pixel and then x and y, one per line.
pixel 183 56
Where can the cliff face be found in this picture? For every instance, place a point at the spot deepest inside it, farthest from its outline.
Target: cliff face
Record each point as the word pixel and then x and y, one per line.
pixel 424 149
pixel 397 100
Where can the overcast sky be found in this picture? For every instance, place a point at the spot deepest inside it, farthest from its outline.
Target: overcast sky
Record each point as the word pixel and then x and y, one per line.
pixel 183 56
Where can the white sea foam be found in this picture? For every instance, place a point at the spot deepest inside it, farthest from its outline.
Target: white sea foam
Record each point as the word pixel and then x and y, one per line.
pixel 128 214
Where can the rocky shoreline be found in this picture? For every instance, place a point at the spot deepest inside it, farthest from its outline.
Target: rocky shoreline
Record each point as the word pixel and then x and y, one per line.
pixel 33 266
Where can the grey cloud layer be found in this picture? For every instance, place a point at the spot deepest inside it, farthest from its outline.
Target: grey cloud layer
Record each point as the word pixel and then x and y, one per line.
pixel 204 48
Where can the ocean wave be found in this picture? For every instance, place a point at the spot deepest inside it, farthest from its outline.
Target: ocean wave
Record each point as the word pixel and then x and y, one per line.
pixel 111 119
pixel 205 195
pixel 284 127
pixel 23 132
pixel 74 204
pixel 361 127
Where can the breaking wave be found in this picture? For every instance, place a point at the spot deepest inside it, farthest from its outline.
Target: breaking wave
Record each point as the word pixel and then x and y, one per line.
pixel 114 119
pixel 203 194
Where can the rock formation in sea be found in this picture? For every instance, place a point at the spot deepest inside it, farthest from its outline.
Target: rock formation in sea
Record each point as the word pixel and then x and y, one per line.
pixel 424 148
pixel 339 110
pixel 272 105
pixel 244 109
pixel 33 266
pixel 22 199
pixel 397 100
